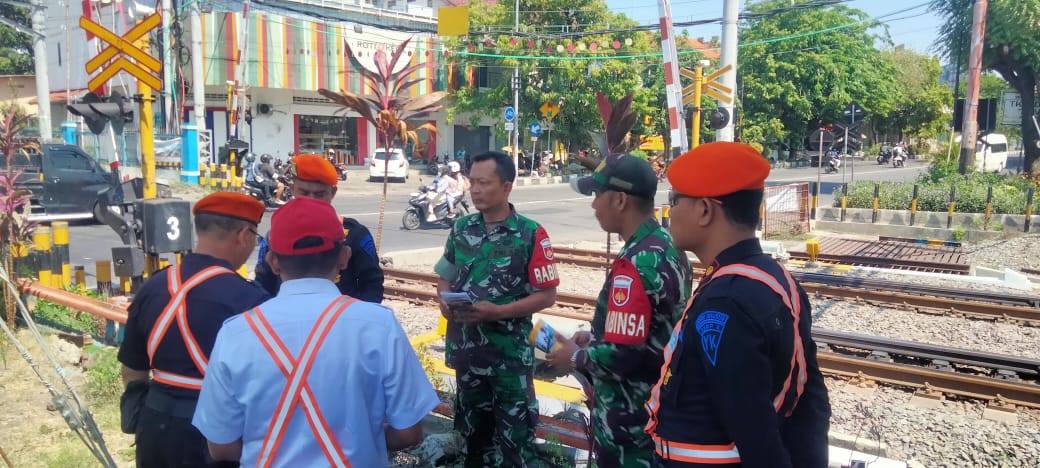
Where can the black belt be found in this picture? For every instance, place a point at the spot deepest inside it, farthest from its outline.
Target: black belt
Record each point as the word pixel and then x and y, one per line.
pixel 166 404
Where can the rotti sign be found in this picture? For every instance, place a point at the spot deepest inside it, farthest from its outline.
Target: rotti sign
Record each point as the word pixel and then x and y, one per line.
pixel 142 67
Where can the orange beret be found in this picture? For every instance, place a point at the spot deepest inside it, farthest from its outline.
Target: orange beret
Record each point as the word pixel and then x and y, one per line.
pixel 717 169
pixel 232 204
pixel 315 168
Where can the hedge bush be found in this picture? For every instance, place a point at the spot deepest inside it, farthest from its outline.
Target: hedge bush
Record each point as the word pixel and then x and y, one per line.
pixel 1009 192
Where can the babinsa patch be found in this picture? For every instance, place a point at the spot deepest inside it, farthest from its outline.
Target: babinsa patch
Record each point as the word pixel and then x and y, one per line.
pixel 710 325
pixel 628 310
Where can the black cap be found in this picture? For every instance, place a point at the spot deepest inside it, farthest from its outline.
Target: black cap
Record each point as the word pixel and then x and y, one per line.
pixel 621 173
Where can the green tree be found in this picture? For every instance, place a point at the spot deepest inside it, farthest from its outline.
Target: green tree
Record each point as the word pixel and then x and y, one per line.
pixel 15 47
pixel 990 87
pixel 922 101
pixel 571 80
pixel 791 74
pixel 1010 49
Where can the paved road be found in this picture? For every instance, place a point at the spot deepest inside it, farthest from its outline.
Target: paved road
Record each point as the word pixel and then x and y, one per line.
pixel 564 213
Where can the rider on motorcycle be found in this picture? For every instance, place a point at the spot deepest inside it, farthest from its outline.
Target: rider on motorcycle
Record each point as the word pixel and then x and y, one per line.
pixel 441 184
pixel 458 185
pixel 270 173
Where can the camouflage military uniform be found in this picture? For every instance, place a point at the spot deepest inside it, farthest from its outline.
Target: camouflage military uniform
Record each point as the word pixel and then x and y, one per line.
pixel 643 297
pixel 495 407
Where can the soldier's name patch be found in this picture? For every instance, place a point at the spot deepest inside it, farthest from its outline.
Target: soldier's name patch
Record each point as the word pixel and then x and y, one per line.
pixel 710 325
pixel 626 327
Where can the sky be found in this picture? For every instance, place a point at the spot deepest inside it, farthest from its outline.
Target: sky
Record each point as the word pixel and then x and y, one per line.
pixel 917 32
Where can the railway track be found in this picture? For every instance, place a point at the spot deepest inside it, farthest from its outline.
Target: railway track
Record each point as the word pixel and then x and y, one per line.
pixel 985 376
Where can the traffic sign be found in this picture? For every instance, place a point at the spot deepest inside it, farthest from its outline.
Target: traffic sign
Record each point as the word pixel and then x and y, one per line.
pixel 708 86
pixel 535 129
pixel 534 139
pixel 549 110
pixel 509 114
pixel 854 113
pixel 509 126
pixel 143 66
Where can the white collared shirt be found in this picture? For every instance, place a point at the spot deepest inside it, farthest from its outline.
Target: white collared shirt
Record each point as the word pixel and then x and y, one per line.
pixel 365 373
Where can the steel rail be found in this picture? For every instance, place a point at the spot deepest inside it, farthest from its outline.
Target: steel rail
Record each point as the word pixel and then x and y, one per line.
pixel 1017 364
pixel 973 386
pixel 889 285
pixel 1026 315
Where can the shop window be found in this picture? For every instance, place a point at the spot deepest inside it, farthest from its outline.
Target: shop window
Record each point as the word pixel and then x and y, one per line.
pixel 320 133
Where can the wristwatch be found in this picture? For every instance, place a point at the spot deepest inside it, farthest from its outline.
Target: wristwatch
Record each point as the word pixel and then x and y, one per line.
pixel 574 358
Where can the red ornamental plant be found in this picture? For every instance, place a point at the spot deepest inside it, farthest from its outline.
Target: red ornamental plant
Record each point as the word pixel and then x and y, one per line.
pixel 15 227
pixel 389 109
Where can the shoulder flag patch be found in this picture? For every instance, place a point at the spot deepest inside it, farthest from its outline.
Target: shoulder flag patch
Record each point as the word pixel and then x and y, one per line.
pixel 710 325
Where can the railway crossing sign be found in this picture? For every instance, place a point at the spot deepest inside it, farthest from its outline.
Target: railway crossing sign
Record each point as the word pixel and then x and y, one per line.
pixel 708 86
pixel 144 67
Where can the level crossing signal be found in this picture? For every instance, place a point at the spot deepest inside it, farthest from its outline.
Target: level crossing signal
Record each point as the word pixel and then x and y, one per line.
pixel 98 111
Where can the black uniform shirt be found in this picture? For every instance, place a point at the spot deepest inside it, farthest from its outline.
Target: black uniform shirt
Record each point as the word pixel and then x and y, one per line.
pixel 362 278
pixel 207 306
pixel 731 359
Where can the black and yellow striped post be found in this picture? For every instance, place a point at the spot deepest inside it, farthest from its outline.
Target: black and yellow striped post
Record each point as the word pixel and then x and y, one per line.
pixel 213 175
pixel 126 285
pixel 79 276
pixel 657 214
pixel 814 188
pixel 665 213
pixel 233 166
pixel 22 262
pixel 950 207
pixel 60 230
pixel 224 176
pixel 103 274
pixel 1029 208
pixel 202 175
pixel 989 208
pixel 163 263
pixel 42 255
pixel 913 205
pixel 844 200
pixel 877 203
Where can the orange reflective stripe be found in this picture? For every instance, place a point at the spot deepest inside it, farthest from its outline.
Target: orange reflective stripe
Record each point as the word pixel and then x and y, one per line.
pixel 177 380
pixel 697 453
pixel 297 391
pixel 177 310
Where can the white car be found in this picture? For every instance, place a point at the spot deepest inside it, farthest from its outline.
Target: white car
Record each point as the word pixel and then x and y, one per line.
pixel 397 169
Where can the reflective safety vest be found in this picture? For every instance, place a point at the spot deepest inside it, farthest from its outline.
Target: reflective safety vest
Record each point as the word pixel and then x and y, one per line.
pixel 177 310
pixel 297 392
pixel 792 389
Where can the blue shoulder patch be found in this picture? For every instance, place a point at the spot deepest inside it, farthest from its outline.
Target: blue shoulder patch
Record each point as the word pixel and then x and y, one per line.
pixel 710 325
pixel 369 246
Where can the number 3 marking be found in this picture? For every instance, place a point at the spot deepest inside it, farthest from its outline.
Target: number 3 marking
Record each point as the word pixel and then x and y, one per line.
pixel 175 228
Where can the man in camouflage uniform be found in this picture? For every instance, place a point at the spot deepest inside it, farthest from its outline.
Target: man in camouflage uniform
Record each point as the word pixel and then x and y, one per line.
pixel 641 300
pixel 504 262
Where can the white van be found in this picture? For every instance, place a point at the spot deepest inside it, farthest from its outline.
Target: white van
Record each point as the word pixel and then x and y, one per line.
pixel 991 153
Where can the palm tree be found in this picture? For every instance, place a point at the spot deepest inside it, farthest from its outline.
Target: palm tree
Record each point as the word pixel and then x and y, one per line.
pixel 391 109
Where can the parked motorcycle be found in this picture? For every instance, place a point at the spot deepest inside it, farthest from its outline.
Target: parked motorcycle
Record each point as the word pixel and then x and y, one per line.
pixel 415 215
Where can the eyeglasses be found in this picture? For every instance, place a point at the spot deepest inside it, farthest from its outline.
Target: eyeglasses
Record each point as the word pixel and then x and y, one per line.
pixel 674 197
pixel 259 239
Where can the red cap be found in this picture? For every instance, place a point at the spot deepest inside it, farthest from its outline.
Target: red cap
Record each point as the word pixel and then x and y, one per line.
pixel 305 217
pixel 231 204
pixel 717 169
pixel 315 168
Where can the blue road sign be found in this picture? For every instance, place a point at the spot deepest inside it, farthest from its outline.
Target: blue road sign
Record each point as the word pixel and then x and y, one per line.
pixel 535 129
pixel 510 114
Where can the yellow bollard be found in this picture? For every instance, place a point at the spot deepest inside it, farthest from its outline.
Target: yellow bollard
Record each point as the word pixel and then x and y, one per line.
pixel 657 214
pixel 80 275
pixel 212 175
pixel 61 249
pixel 664 216
pixel 125 285
pixel 812 247
pixel 103 274
pixel 42 252
pixel 163 263
pixel 22 261
pixel 225 176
